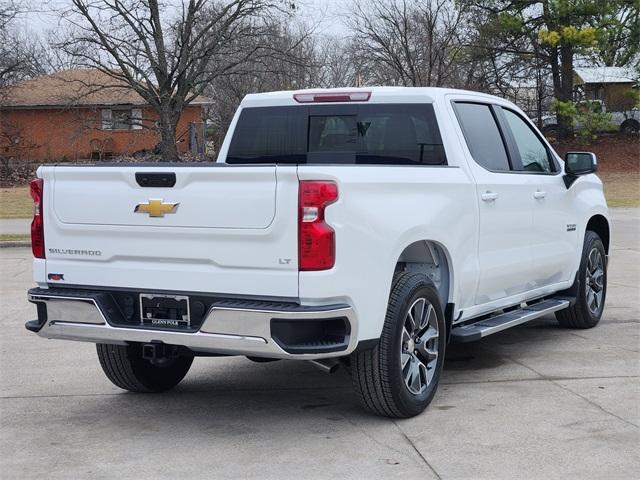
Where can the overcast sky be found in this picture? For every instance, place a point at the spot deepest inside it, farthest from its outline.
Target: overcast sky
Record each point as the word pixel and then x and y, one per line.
pixel 329 12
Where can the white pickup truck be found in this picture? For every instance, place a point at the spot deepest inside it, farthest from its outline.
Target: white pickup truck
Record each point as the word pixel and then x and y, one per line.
pixel 367 227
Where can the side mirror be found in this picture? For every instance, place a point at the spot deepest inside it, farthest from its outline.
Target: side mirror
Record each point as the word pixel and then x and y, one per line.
pixel 580 163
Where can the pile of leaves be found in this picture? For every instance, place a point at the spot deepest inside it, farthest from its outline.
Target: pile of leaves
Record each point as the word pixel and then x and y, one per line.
pixel 14 174
pixel 616 152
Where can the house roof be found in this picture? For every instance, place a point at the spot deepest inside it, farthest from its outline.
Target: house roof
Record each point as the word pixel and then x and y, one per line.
pixel 606 75
pixel 75 88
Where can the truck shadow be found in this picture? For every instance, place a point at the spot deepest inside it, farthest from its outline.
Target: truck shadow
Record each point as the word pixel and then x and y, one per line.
pixel 234 396
pixel 496 350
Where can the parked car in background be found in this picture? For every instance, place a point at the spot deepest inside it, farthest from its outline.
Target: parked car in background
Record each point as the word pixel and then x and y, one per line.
pixel 627 121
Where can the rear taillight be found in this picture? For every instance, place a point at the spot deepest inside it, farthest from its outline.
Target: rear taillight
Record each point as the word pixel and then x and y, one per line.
pixel 37 225
pixel 316 239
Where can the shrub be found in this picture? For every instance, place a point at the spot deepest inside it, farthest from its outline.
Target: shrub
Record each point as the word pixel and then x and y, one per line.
pixel 587 118
pixel 591 120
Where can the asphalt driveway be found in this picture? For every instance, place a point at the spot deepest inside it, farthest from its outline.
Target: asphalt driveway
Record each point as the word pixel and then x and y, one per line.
pixel 537 401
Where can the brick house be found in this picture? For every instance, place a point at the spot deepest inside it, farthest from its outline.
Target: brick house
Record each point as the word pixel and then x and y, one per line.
pixel 84 114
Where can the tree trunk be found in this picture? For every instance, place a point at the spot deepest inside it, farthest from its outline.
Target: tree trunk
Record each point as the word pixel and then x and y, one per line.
pixel 565 126
pixel 539 88
pixel 167 146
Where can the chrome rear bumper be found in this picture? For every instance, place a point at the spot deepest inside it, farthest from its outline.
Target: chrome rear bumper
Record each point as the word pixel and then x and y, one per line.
pixel 243 329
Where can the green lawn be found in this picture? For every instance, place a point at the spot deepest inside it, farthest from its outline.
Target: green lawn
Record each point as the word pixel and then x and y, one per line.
pixel 621 189
pixel 12 237
pixel 15 203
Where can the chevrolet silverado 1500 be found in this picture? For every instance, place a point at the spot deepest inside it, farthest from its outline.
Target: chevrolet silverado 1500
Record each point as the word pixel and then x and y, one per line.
pixel 367 227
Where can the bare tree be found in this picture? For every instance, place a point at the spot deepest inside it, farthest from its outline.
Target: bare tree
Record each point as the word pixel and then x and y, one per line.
pixel 20 55
pixel 286 58
pixel 407 42
pixel 336 63
pixel 168 55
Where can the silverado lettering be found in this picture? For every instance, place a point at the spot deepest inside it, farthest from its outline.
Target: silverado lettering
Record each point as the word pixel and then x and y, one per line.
pixel 67 251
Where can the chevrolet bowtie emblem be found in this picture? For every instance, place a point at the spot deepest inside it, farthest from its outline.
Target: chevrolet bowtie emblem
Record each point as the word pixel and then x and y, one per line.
pixel 156 207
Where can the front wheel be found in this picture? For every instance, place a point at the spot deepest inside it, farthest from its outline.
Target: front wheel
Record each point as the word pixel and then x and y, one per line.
pixel 125 366
pixel 592 286
pixel 399 376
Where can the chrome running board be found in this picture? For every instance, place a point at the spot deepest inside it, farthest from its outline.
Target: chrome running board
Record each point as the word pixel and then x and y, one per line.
pixel 482 328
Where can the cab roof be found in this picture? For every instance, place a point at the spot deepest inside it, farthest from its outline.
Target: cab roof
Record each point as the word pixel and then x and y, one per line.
pixel 376 95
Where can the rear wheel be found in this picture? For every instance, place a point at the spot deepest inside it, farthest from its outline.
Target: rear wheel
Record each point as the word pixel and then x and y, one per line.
pixel 592 286
pixel 125 366
pixel 399 377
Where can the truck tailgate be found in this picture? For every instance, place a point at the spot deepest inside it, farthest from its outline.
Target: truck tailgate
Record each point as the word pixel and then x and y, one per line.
pixel 218 229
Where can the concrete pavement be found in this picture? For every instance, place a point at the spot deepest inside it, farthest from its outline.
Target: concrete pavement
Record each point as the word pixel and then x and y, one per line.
pixel 18 226
pixel 533 402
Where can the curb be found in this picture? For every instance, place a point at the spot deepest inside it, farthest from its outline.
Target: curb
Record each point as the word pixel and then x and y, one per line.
pixel 12 244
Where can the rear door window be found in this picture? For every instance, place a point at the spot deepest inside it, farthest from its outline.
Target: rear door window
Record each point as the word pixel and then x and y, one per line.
pixel 482 135
pixel 387 134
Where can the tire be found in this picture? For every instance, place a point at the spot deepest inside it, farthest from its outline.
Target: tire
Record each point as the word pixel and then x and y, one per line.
pixel 378 374
pixel 591 287
pixel 126 368
pixel 630 127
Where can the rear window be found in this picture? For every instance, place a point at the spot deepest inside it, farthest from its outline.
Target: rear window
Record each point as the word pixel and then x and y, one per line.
pixel 382 134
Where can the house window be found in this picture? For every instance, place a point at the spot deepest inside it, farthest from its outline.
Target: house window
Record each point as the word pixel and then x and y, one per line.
pixel 121 118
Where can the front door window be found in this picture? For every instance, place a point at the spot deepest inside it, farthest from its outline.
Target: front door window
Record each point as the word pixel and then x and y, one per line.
pixel 534 155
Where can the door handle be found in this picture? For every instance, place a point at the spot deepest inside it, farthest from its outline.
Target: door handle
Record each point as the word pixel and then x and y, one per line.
pixel 538 194
pixel 489 196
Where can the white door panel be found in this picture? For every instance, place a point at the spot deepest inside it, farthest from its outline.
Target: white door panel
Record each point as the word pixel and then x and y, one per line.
pixel 554 236
pixel 504 249
pixel 505 206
